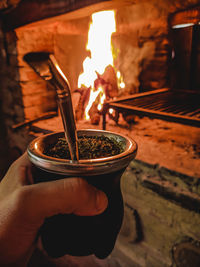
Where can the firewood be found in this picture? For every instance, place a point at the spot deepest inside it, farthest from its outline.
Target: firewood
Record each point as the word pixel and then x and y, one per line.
pixel 110 82
pixel 80 108
pixel 94 114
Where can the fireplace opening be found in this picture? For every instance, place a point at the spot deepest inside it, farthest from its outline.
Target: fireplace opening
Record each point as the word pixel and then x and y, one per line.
pixel 147 60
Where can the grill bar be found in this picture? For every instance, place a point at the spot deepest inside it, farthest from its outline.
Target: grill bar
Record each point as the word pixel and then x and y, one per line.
pixel 172 105
pixel 197 113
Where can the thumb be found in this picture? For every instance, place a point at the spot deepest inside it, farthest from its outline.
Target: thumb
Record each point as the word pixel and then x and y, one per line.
pixel 69 195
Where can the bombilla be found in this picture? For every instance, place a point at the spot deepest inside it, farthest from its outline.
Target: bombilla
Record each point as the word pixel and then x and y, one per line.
pixel 46 66
pixel 65 104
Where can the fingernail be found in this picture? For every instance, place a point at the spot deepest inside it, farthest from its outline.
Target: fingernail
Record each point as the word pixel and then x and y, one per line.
pixel 101 201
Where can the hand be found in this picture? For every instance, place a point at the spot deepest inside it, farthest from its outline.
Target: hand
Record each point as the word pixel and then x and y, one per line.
pixel 24 206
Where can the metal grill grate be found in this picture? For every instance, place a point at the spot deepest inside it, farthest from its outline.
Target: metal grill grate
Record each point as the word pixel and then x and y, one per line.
pixel 177 106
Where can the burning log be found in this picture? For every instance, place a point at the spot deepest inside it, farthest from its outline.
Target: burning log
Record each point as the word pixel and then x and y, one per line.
pixel 108 80
pixel 84 96
pixel 94 114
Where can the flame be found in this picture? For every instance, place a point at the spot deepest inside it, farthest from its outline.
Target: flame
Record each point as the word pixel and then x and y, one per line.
pixel 120 81
pixel 102 98
pixel 93 95
pixel 99 44
pixel 111 110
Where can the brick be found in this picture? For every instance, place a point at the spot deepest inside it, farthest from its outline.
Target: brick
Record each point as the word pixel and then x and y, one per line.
pixel 27 74
pixel 44 98
pixel 35 39
pixel 35 111
pixel 33 87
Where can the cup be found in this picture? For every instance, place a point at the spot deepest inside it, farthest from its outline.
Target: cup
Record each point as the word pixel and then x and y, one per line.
pixel 83 235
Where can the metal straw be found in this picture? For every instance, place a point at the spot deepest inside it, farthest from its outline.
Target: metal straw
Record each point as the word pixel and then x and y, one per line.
pixel 47 67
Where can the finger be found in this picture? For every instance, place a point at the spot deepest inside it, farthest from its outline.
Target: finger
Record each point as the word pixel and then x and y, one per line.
pixel 70 195
pixel 18 167
pixel 22 161
pixel 17 175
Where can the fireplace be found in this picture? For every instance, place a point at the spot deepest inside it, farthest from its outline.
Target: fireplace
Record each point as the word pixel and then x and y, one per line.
pixel 160 187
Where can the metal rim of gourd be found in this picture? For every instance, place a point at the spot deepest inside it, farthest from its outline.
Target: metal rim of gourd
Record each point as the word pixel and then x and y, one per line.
pixel 82 167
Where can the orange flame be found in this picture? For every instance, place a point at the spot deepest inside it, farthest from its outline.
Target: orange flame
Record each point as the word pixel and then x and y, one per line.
pixel 99 44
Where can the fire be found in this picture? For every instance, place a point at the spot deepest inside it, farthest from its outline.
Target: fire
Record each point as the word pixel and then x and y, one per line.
pixel 99 44
pixel 93 95
pixel 120 81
